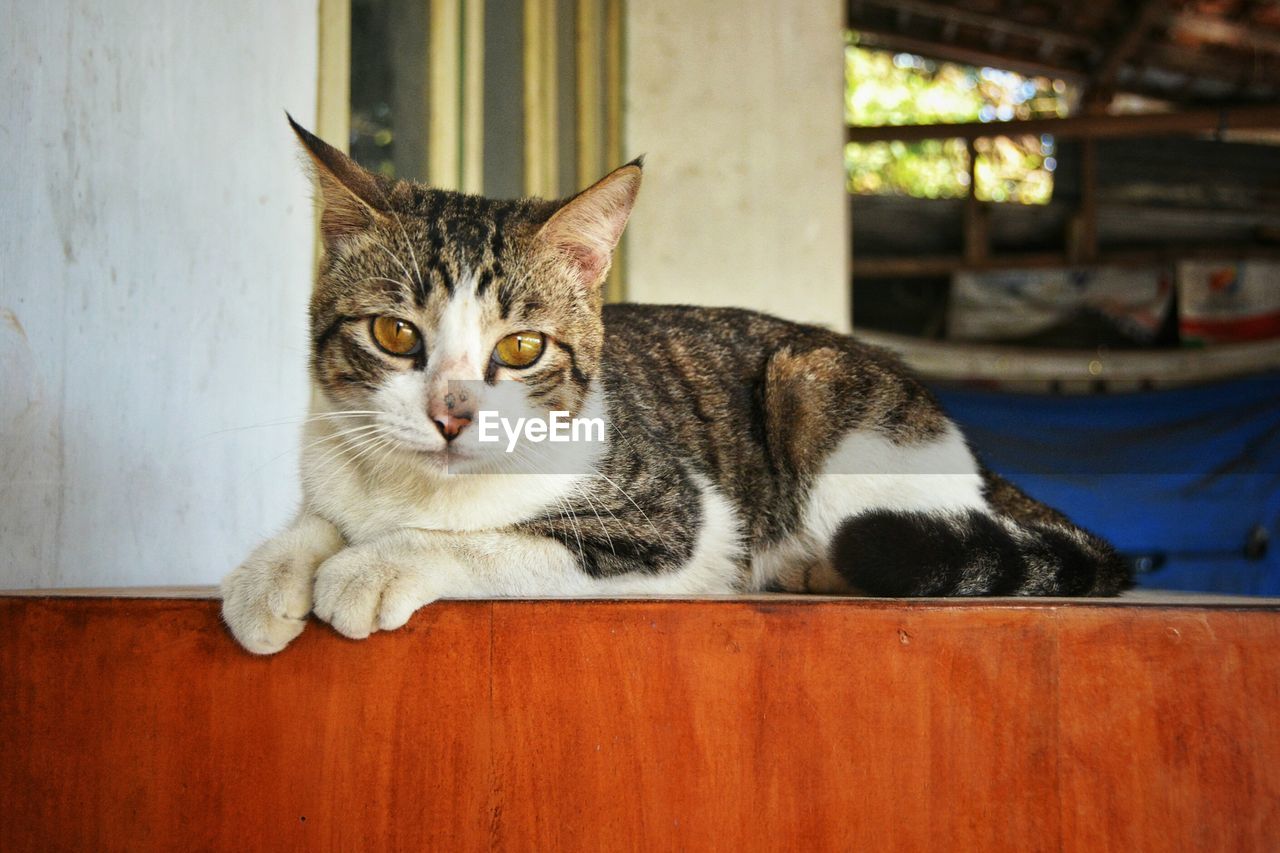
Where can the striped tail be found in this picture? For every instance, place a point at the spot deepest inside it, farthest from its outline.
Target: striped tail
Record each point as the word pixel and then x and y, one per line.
pixel 902 554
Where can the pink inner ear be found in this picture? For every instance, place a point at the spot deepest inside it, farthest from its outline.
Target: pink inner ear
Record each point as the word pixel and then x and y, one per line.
pixel 590 264
pixel 587 228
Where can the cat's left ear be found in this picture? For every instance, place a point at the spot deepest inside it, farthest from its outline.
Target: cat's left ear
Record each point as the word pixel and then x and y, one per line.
pixel 586 230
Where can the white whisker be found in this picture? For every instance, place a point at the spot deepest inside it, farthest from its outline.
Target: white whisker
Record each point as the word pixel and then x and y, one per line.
pixel 293 421
pixel 412 254
pixel 603 527
pixel 343 464
pixel 634 504
pixel 386 201
pixel 303 450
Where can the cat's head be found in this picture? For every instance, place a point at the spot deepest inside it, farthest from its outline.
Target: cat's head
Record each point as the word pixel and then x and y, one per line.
pixel 432 307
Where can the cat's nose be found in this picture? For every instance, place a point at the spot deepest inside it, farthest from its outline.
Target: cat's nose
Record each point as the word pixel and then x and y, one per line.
pixel 450 413
pixel 451 424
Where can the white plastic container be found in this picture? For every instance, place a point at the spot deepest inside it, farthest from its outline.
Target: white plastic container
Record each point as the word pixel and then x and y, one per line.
pixel 1017 304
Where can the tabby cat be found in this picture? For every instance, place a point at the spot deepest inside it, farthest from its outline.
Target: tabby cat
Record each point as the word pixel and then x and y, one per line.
pixel 739 452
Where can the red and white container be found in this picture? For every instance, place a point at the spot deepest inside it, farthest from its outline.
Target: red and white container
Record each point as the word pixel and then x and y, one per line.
pixel 1228 301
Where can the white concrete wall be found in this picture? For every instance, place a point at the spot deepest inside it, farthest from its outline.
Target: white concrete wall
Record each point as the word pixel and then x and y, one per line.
pixel 739 108
pixel 155 261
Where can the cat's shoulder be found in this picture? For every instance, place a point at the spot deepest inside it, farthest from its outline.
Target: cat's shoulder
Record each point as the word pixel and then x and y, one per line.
pixel 698 320
pixel 742 328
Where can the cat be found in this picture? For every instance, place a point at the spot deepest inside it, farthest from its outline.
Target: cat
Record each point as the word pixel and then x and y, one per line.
pixel 739 452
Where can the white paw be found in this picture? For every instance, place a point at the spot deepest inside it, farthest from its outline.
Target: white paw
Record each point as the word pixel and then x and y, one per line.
pixel 359 591
pixel 266 600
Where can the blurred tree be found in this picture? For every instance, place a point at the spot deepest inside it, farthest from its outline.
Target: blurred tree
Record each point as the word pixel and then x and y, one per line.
pixel 884 88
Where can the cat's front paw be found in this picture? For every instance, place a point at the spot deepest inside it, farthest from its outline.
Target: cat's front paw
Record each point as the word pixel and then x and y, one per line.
pixel 266 600
pixel 361 590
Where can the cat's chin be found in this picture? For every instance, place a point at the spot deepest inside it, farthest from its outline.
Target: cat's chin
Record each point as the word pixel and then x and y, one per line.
pixel 442 461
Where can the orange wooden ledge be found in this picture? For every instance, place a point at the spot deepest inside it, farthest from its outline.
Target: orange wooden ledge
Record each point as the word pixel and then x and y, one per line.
pixel 769 724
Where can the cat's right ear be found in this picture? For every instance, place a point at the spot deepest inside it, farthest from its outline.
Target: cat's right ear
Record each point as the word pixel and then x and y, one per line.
pixel 352 199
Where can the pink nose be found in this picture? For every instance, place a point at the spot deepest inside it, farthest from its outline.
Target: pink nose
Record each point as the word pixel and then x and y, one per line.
pixel 450 413
pixel 451 425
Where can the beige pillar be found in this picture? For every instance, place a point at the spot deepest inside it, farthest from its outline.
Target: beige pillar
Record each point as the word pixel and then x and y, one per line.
pixel 738 108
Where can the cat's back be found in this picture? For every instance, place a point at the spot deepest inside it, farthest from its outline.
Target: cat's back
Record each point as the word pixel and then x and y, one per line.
pixel 735 333
pixel 727 343
pixel 703 367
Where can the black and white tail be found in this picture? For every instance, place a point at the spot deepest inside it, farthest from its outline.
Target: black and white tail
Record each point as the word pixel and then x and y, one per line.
pixel 895 553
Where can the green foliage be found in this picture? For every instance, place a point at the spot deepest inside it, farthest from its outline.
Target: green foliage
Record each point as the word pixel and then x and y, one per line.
pixel 886 88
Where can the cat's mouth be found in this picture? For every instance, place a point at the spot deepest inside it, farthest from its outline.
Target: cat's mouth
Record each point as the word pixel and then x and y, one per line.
pixel 433 454
pixel 414 444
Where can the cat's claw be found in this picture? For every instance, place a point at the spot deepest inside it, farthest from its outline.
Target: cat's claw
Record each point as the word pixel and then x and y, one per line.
pixel 359 592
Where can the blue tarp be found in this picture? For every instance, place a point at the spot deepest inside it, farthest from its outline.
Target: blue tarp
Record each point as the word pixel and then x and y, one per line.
pixel 1184 480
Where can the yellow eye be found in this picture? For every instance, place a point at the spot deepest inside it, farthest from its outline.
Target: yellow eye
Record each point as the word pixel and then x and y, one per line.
pixel 396 336
pixel 519 350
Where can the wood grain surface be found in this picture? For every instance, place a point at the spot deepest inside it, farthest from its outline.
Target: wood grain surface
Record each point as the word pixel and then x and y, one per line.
pixel 135 724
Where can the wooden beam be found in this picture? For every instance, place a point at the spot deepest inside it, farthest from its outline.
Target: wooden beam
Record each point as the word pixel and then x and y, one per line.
pixel 938 266
pixel 472 141
pixel 444 91
pixel 1082 127
pixel 976 237
pixel 1103 78
pixel 967 55
pixel 588 45
pixel 614 59
pixel 615 287
pixel 1082 241
pixel 1210 66
pixel 541 155
pixel 333 91
pixel 944 12
pixel 1226 32
pixel 333 99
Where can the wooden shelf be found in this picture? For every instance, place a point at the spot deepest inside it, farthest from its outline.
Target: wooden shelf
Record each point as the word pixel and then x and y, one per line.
pixel 1217 120
pixel 769 723
pixel 1078 369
